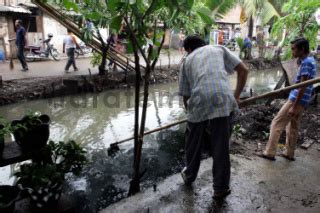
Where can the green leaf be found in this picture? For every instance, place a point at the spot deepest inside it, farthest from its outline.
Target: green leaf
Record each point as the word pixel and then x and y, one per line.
pixel 71 5
pixel 129 47
pixel 114 5
pixel 189 4
pixel 175 14
pixel 205 15
pixel 116 23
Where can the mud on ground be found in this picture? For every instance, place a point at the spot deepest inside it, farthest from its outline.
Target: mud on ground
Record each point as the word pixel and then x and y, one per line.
pixel 254 126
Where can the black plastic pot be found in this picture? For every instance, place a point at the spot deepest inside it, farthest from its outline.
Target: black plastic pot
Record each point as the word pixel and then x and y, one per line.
pixel 32 135
pixel 8 197
pixel 45 198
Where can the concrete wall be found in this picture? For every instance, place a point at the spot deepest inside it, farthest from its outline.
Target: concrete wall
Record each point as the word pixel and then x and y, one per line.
pixel 58 31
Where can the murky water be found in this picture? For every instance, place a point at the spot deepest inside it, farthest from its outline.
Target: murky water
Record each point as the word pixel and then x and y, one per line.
pixel 96 121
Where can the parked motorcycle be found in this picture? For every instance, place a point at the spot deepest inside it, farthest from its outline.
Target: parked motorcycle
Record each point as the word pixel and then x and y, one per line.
pixel 231 44
pixel 84 49
pixel 33 52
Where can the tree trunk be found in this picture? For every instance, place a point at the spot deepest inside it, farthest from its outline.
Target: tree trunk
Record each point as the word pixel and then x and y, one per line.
pixel 250 27
pixel 102 67
pixel 135 182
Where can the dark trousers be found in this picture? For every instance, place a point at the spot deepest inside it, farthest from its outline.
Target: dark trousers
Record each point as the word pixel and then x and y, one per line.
pixel 71 59
pixel 21 57
pixel 215 133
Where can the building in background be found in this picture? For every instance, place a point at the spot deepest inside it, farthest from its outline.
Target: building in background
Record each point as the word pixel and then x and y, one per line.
pixel 37 24
pixel 229 24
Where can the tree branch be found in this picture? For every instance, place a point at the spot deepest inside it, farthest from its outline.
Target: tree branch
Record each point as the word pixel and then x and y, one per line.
pixel 149 10
pixel 134 39
pixel 160 47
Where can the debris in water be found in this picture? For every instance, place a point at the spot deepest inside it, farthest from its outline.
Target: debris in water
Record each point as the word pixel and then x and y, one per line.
pixel 113 149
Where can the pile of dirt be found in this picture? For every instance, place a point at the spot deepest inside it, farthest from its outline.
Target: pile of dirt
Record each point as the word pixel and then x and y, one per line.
pixel 262 63
pixel 13 91
pixel 255 123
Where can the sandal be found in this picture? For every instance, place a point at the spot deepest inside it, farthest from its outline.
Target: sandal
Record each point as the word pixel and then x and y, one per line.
pixel 260 154
pixel 287 157
pixel 221 194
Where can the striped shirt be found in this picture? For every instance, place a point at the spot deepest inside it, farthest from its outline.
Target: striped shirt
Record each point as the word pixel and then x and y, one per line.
pixel 203 78
pixel 308 68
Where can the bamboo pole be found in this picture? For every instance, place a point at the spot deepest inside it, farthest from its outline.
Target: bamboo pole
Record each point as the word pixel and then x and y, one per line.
pixel 278 92
pixel 152 131
pixel 242 104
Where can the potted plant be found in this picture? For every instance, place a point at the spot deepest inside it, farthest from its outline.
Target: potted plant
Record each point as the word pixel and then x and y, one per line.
pixel 32 131
pixel 43 179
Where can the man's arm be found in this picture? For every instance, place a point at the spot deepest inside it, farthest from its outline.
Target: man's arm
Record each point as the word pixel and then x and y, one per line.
pixel 75 41
pixel 63 47
pixel 242 73
pixel 24 37
pixel 293 109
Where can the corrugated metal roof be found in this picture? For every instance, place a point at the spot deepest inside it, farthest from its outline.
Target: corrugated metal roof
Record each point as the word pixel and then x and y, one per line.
pixel 13 9
pixel 28 4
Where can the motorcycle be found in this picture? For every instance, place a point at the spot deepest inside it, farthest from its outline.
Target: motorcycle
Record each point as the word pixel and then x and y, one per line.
pixel 231 44
pixel 84 49
pixel 34 52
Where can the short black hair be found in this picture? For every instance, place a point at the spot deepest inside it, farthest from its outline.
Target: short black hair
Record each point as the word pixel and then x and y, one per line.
pixel 302 44
pixel 19 21
pixel 69 31
pixel 193 42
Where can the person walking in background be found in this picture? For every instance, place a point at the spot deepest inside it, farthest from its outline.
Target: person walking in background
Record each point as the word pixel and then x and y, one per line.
pixel 210 106
pixel 69 45
pixel 247 47
pixel 291 112
pixel 220 37
pixel 21 41
pixel 181 39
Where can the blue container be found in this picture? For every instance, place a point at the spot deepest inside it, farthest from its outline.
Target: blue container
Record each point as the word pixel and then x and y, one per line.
pixel 2 58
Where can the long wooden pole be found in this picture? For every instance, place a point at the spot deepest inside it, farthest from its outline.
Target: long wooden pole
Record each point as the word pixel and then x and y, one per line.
pixel 278 92
pixel 242 104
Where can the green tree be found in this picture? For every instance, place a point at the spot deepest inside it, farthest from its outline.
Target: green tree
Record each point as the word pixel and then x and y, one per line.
pixel 141 20
pixel 299 20
pixel 265 10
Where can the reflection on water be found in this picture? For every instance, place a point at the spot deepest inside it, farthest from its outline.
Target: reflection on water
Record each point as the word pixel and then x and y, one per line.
pixel 96 120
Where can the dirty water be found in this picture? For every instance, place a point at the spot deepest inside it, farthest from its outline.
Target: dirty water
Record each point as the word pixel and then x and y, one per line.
pixel 95 121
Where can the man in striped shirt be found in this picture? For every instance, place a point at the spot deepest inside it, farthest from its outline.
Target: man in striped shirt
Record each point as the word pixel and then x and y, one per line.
pixel 290 114
pixel 210 104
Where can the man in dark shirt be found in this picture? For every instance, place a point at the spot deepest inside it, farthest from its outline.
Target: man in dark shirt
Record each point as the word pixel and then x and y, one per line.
pixel 21 42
